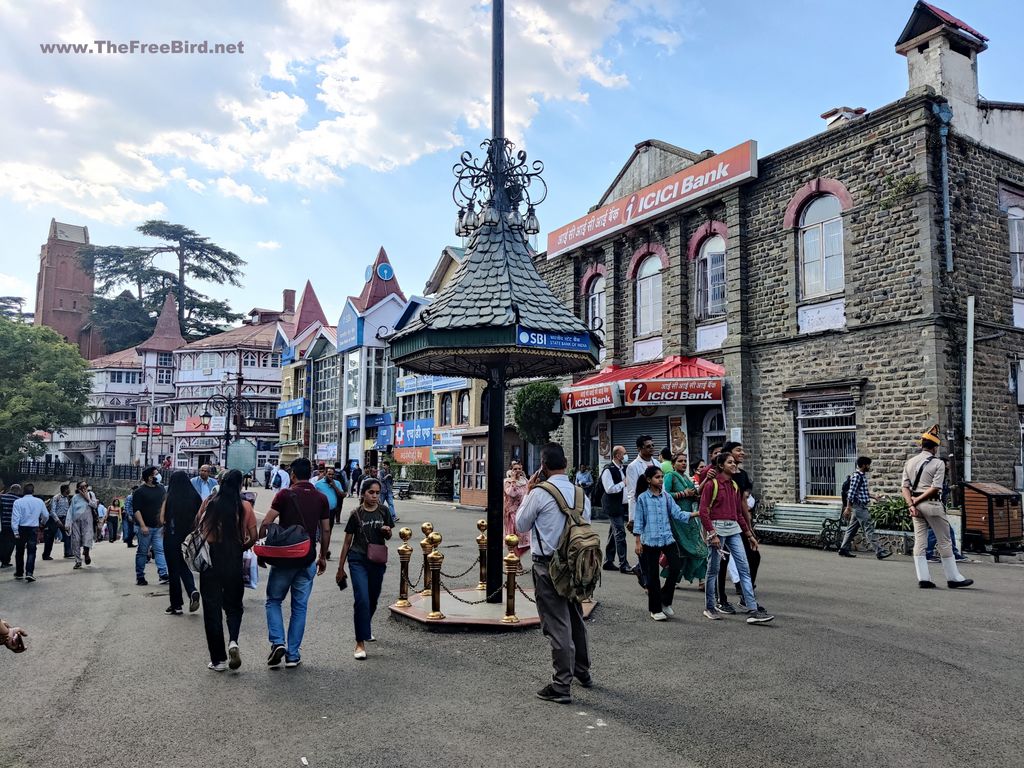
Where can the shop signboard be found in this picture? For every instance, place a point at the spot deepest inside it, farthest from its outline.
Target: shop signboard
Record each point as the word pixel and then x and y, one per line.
pixel 296 407
pixel 412 455
pixel 701 179
pixel 194 424
pixel 144 429
pixel 596 397
pixel 561 342
pixel 448 439
pixel 408 385
pixel 327 451
pixel 415 433
pixel 385 437
pixel 350 330
pixel 671 391
pixel 242 456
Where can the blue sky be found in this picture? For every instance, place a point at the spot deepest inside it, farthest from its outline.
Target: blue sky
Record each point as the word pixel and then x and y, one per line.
pixel 335 132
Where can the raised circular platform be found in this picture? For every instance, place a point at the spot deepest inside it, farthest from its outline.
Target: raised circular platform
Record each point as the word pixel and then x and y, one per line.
pixel 479 617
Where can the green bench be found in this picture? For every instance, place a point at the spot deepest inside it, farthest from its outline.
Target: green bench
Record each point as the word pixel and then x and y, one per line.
pixel 819 521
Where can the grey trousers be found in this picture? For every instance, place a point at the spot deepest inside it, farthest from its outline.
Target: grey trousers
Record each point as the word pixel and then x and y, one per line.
pixel 562 623
pixel 932 515
pixel 861 519
pixel 81 535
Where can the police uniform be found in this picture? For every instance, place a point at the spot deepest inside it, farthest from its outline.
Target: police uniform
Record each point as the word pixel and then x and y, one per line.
pixel 921 472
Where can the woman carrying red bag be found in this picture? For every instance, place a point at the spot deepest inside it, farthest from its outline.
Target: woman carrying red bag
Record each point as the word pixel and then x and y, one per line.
pixel 367 530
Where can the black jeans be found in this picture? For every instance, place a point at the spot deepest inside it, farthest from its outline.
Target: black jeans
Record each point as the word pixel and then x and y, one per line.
pixel 26 541
pixel 616 541
pixel 659 595
pixel 177 571
pixel 753 561
pixel 49 535
pixel 7 542
pixel 221 588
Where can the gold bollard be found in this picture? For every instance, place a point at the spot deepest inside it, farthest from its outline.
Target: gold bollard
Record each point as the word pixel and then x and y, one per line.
pixel 436 559
pixel 511 561
pixel 481 542
pixel 435 540
pixel 427 547
pixel 404 555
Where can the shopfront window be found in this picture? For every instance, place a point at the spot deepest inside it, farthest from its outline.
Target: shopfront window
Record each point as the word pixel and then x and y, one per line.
pixel 352 376
pixel 325 400
pixel 375 373
pixel 711 278
pixel 828 445
pixel 821 247
pixel 648 296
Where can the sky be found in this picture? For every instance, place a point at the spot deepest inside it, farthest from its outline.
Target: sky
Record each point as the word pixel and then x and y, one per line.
pixel 335 130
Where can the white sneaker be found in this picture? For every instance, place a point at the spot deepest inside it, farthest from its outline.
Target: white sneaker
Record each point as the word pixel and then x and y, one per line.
pixel 359 655
pixel 659 616
pixel 220 666
pixel 667 610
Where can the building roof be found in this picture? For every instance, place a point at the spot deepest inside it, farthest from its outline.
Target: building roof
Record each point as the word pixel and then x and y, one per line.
pixel 672 367
pixel 309 310
pixel 126 358
pixel 685 158
pixel 167 334
pixel 377 288
pixel 926 17
pixel 247 336
pixel 450 254
pixel 71 233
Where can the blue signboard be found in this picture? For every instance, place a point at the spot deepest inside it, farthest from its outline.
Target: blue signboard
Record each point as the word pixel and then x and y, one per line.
pixel 563 342
pixel 414 434
pixel 408 385
pixel 372 420
pixel 385 437
pixel 350 329
pixel 297 407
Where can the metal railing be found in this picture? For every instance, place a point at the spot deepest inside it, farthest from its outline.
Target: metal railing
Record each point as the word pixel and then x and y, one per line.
pixel 71 469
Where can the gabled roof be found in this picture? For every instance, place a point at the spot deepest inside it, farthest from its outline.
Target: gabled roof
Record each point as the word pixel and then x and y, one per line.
pixel 71 233
pixel 246 336
pixel 126 358
pixel 377 289
pixel 926 17
pixel 309 310
pixel 683 158
pixel 672 367
pixel 167 334
pixel 451 254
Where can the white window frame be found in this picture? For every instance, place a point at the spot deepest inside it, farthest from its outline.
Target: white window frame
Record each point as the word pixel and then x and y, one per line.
pixel 164 359
pixel 648 297
pixel 826 230
pixel 250 359
pixel 596 308
pixel 1015 223
pixel 710 279
pixel 164 375
pixel 820 416
pixel 710 434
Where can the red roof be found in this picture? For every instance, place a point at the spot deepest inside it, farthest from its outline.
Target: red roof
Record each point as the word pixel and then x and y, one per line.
pixel 376 289
pixel 167 334
pixel 309 310
pixel 672 367
pixel 953 21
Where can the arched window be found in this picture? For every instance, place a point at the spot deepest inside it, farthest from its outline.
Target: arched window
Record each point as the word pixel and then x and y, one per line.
pixel 711 278
pixel 595 308
pixel 464 407
pixel 1015 219
pixel 446 408
pixel 485 405
pixel 648 296
pixel 713 431
pixel 821 247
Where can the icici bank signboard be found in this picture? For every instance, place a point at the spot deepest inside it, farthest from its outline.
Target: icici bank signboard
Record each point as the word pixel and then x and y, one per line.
pixel 723 170
pixel 592 398
pixel 668 391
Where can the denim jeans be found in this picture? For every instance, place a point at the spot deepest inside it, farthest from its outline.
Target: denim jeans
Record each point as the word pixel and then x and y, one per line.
pixel 26 541
pixel 367 579
pixel 734 544
pixel 300 582
pixel 127 529
pixel 930 552
pixel 154 538
pixel 861 520
pixel 616 541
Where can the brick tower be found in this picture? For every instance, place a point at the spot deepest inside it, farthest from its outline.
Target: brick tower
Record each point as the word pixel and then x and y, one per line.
pixel 64 289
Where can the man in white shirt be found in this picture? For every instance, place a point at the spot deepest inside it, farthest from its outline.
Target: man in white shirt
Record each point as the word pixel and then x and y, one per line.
pixel 636 468
pixel 28 514
pixel 285 477
pixel 561 618
pixel 203 483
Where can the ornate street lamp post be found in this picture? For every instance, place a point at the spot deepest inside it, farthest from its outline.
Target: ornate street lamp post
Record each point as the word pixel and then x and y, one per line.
pixel 237 405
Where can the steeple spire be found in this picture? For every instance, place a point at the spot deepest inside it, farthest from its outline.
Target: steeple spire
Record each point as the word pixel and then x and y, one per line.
pixel 167 334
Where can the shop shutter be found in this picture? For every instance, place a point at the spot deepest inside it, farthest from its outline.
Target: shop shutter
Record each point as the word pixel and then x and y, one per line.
pixel 626 431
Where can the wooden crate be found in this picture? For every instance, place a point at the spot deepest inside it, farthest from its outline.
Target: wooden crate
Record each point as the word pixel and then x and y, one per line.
pixel 992 512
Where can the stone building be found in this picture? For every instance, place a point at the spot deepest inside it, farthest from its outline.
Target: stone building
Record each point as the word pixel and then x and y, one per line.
pixel 64 290
pixel 819 293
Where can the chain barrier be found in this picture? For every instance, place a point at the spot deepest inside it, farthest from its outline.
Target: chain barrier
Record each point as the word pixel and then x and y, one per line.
pixel 460 575
pixel 523 593
pixel 415 584
pixel 472 602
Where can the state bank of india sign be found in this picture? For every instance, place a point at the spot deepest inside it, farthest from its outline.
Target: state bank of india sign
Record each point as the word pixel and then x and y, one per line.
pixel 700 179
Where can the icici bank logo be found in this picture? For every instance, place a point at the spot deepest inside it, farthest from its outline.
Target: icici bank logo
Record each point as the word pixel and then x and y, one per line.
pixel 636 392
pixel 630 206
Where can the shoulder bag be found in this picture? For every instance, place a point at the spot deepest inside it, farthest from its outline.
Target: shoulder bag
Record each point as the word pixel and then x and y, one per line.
pixel 375 553
pixel 195 549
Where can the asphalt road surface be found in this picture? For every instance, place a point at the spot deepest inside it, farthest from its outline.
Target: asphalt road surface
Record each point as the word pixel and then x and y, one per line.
pixel 861 667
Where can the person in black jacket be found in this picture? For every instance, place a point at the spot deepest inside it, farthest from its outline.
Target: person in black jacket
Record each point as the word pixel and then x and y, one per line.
pixel 178 516
pixel 613 486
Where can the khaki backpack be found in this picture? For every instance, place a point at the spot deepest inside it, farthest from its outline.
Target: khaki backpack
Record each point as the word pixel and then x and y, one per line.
pixel 575 567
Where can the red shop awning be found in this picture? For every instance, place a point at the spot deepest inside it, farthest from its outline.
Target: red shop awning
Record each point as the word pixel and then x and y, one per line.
pixel 674 380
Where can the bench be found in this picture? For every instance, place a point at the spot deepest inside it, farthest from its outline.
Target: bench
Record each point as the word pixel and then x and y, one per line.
pixel 820 521
pixel 402 489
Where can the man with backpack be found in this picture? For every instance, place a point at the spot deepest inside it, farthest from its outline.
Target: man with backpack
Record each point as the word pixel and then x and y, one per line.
pixel 557 566
pixel 609 492
pixel 856 498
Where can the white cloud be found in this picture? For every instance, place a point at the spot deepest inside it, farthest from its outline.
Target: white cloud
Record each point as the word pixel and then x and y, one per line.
pixel 231 188
pixel 11 285
pixel 268 245
pixel 69 103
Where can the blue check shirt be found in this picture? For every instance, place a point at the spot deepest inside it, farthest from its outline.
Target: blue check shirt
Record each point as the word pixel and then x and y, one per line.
pixel 859 489
pixel 652 520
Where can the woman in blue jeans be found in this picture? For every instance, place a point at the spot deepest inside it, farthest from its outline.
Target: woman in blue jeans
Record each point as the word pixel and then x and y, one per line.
pixel 369 523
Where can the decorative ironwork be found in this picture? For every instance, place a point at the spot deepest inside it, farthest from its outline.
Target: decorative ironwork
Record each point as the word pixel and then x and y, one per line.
pixel 500 184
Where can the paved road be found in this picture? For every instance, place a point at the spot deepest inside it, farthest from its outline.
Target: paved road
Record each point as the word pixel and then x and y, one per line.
pixel 860 667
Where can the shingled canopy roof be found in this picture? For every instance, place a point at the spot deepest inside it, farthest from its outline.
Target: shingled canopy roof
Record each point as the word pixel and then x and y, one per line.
pixel 478 319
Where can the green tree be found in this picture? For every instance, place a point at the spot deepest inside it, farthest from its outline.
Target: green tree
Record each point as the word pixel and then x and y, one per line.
pixel 533 411
pixel 44 385
pixel 195 258
pixel 12 307
pixel 126 321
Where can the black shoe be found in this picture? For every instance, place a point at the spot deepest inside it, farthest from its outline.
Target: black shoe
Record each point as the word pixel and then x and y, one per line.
pixel 69 557
pixel 950 584
pixel 171 611
pixel 548 693
pixel 18 576
pixel 276 655
pixel 586 682
pixel 609 567
pixel 193 602
pixel 759 617
pixel 131 546
pixel 626 569
pixel 88 560
pixel 164 581
pixel 140 583
pixel 30 577
pixel 47 558
pixel 882 554
pixel 76 565
pixel 926 584
pixel 726 608
pixel 846 553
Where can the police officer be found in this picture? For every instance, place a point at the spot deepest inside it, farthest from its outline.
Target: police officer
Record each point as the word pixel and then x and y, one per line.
pixel 923 476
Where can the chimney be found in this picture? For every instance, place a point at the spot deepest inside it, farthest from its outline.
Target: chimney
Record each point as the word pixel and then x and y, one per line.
pixel 942 54
pixel 840 116
pixel 289 300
